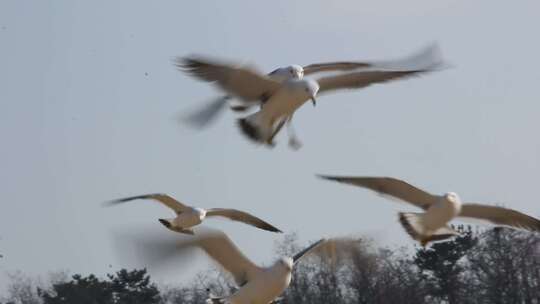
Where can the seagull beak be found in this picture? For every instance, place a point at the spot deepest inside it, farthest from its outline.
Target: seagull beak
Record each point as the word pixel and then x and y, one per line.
pixel 313 101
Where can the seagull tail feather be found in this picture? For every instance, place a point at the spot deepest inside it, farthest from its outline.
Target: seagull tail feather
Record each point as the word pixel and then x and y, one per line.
pixel 412 223
pixel 253 128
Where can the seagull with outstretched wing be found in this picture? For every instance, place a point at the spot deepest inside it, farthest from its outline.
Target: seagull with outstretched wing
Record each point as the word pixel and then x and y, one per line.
pixel 432 224
pixel 256 284
pixel 262 126
pixel 188 217
pixel 286 89
pixel 233 78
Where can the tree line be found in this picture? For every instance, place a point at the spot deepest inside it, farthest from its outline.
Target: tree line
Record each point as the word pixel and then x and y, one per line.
pixel 493 266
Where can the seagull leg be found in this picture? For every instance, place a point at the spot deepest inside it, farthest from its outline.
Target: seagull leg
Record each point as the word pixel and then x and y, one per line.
pixel 294 142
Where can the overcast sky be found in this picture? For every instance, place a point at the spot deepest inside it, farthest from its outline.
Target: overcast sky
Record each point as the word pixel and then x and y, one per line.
pixel 89 98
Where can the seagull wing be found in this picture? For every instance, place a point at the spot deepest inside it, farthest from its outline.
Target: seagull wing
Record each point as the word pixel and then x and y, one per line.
pixel 162 198
pixel 428 56
pixel 243 217
pixel 222 250
pixel 242 82
pixel 427 60
pixel 363 79
pixel 207 113
pixel 311 247
pixel 334 66
pixel 500 216
pixel 390 186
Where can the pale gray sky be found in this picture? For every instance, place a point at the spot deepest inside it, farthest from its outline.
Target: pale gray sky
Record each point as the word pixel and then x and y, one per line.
pixel 81 123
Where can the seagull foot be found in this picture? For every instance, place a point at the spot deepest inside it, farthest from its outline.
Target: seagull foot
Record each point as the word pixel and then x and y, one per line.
pixel 295 144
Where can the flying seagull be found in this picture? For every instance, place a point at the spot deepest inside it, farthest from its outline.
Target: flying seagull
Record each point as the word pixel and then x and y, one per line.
pixel 439 209
pixel 235 75
pixel 257 285
pixel 187 216
pixel 284 90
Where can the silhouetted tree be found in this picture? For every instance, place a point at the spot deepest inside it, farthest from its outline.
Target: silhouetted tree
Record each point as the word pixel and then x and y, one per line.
pixel 82 290
pixel 133 287
pixel 440 268
pixel 506 267
pixel 398 279
pixel 123 287
pixel 496 266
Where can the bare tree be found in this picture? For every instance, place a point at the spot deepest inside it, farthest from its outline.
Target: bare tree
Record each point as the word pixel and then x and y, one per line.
pixel 505 266
pixel 441 265
pixel 22 289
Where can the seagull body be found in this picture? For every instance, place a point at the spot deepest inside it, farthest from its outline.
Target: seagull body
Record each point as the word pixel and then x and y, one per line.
pixel 256 285
pixel 185 220
pixel 188 217
pixel 264 124
pixel 265 288
pixel 280 93
pixel 432 224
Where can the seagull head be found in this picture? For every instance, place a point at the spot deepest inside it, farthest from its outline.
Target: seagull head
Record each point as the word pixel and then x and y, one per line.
pixel 296 71
pixel 309 89
pixel 452 197
pixel 292 71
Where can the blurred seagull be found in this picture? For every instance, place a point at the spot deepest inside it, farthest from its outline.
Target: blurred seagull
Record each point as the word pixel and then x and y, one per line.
pixel 284 90
pixel 257 285
pixel 230 77
pixel 432 225
pixel 187 217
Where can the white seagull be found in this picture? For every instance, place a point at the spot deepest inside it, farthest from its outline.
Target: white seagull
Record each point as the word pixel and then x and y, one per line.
pixel 235 75
pixel 256 285
pixel 280 95
pixel 439 209
pixel 188 217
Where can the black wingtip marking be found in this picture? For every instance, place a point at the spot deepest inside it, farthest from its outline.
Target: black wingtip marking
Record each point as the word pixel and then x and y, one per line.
pixel 131 198
pixel 165 223
pixel 249 130
pixel 273 229
pixel 329 177
pixel 408 227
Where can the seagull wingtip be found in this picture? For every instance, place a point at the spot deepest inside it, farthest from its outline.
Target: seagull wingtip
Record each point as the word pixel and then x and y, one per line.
pixel 328 177
pixel 186 63
pixel 110 203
